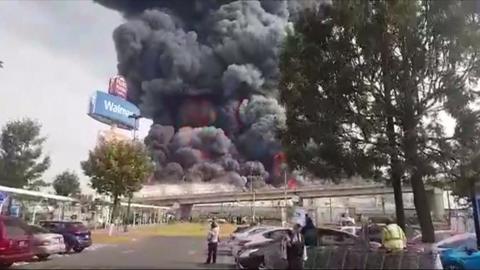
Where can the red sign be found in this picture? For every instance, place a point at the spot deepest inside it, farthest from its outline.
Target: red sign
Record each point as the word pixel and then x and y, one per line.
pixel 117 86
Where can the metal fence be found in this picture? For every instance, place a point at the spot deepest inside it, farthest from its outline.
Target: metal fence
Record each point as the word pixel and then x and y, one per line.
pixel 359 259
pixel 345 258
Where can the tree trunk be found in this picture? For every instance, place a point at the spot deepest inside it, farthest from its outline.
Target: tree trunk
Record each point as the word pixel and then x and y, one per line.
pixel 414 163
pixel 127 218
pixel 396 178
pixel 411 117
pixel 113 215
pixel 396 171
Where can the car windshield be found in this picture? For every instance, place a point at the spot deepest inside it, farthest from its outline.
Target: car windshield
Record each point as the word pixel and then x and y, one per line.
pixel 460 242
pixel 37 230
pixel 257 230
pixel 240 229
pixel 76 226
pixel 439 236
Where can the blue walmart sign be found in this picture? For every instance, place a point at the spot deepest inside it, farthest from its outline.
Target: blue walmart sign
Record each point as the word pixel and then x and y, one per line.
pixel 111 109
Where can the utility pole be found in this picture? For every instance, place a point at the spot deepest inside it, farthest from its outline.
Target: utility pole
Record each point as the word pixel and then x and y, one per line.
pixel 130 195
pixel 253 198
pixel 284 212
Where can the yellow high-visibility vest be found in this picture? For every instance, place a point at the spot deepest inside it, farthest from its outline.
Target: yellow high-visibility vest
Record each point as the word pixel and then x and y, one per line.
pixel 394 237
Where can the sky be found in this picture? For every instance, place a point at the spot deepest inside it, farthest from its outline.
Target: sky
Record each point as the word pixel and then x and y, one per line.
pixel 56 54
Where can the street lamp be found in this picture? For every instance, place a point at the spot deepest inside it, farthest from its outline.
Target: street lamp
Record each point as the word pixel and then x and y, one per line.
pixel 127 218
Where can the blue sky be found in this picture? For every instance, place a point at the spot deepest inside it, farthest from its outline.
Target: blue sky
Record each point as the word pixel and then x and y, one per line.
pixel 56 54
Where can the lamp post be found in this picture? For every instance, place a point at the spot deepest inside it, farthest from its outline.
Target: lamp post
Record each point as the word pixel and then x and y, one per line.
pixel 130 195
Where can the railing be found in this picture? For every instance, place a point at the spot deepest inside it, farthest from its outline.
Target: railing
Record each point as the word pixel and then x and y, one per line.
pixel 359 259
pixel 342 258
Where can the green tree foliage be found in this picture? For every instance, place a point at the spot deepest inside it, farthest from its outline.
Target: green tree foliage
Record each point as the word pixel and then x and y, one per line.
pixel 22 162
pixel 66 184
pixel 364 83
pixel 118 168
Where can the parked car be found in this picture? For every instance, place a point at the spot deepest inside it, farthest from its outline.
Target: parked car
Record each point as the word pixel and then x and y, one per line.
pixel 374 232
pixel 415 243
pixel 46 243
pixel 76 236
pixel 458 259
pixel 459 252
pixel 260 253
pixel 15 241
pixel 251 253
pixel 255 237
pixel 242 235
pixel 351 229
pixel 237 240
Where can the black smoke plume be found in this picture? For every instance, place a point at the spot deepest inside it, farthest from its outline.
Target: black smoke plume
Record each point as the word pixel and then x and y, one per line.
pixel 206 72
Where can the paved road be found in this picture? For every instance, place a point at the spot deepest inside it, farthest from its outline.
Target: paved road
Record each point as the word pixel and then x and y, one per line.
pixel 148 253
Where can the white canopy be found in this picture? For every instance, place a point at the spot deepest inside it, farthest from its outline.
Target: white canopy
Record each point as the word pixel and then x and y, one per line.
pixel 36 194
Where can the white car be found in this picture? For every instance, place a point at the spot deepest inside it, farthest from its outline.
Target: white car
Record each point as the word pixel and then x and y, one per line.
pixel 238 237
pixel 351 229
pixel 443 240
pixel 459 241
pixel 46 243
pixel 250 231
pixel 259 238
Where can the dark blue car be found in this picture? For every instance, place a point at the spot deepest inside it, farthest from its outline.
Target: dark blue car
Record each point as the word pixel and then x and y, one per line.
pixel 76 236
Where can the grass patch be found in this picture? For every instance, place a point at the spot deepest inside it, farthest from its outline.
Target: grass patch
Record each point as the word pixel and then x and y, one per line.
pixel 184 229
pixel 178 229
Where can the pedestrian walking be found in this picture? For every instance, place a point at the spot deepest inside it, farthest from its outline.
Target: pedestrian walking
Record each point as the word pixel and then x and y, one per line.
pixel 294 248
pixel 393 237
pixel 212 240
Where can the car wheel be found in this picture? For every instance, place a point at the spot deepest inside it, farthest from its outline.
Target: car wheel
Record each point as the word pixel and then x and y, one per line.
pixel 68 248
pixel 262 266
pixel 453 267
pixel 78 249
pixel 43 257
pixel 5 265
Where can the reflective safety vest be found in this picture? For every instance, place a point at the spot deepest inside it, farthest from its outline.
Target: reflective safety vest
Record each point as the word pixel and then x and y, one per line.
pixel 394 237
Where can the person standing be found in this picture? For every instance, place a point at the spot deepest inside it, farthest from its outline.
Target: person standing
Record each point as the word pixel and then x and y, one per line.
pixel 212 240
pixel 309 232
pixel 393 237
pixel 294 248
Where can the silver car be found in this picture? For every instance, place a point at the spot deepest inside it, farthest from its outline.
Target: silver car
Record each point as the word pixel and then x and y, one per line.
pixel 46 243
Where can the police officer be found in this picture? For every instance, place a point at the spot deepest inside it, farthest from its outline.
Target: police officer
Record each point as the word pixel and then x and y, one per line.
pixel 393 237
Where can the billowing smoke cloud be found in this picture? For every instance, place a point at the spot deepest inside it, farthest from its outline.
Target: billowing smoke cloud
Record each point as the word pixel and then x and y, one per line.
pixel 206 72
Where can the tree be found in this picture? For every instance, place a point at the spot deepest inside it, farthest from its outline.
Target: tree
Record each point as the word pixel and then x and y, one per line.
pixel 118 168
pixel 364 83
pixel 37 185
pixel 22 162
pixel 66 184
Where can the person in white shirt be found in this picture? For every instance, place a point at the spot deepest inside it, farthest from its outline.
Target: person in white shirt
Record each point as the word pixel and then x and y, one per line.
pixel 346 220
pixel 212 239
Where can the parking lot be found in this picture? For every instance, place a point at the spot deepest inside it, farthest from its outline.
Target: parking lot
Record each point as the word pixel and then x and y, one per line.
pixel 151 252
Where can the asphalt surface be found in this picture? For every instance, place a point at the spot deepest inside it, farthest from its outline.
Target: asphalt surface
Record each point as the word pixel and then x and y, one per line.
pixel 148 253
